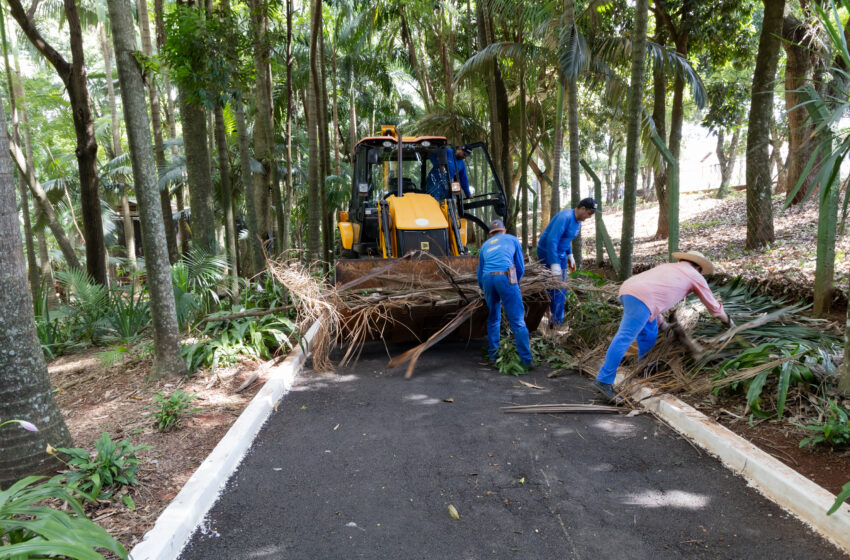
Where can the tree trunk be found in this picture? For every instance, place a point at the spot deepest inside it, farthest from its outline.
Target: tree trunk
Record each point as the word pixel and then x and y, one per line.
pixel 16 98
pixel 25 392
pixel 202 217
pixel 263 134
pixel 48 281
pixel 413 60
pixel 311 99
pixel 523 171
pixel 167 350
pixel 73 75
pixel 556 153
pixel 575 169
pixel 825 265
pixel 325 153
pixel 227 200
pixel 799 67
pixel 117 150
pixel 254 246
pixel 781 170
pixel 659 118
pixel 633 137
pixel 759 207
pixel 46 207
pixel 727 157
pixel 844 380
pixel 289 193
pixel 156 119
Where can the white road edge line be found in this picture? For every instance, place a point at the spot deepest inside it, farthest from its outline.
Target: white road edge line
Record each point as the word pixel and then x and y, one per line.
pixel 186 512
pixel 771 477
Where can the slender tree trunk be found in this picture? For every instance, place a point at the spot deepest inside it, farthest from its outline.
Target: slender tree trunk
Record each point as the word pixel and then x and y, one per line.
pixel 312 100
pixel 202 215
pixel 633 136
pixel 659 118
pixel 289 193
pixel 167 350
pixel 25 391
pixel 49 282
pixel 46 207
pixel 73 75
pixel 227 200
pixel 338 169
pixel 324 152
pixel 523 172
pixel 799 68
pixel 156 119
pixel 825 267
pixel 759 207
pixel 263 139
pixel 117 150
pixel 16 98
pixel 844 380
pixel 352 126
pixel 555 207
pixel 413 60
pixel 781 170
pixel 727 157
pixel 255 248
pixel 575 169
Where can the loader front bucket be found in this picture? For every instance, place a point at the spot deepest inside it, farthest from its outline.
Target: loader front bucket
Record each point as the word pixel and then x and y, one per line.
pixel 417 297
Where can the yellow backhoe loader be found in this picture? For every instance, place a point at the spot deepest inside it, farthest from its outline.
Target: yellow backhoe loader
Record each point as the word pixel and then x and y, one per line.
pixel 410 226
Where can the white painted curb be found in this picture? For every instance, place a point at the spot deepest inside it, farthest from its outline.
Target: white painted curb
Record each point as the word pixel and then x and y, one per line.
pixel 770 476
pixel 178 521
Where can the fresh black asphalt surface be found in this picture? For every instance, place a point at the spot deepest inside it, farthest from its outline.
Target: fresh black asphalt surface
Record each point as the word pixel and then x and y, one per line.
pixel 362 463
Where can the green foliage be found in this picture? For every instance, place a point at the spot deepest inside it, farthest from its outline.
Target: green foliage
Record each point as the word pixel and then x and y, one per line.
pixel 225 342
pixel 547 350
pixel 840 499
pixel 591 319
pixel 834 430
pixel 29 528
pixel 53 333
pixel 128 316
pixel 793 336
pixel 169 411
pixel 202 56
pixel 88 303
pixel 196 280
pixel 113 467
pixel 507 358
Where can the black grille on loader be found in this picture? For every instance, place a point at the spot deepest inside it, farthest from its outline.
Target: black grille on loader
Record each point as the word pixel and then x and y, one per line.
pixel 434 241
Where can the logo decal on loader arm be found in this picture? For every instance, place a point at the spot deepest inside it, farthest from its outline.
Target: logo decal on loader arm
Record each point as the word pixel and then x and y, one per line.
pixel 424 245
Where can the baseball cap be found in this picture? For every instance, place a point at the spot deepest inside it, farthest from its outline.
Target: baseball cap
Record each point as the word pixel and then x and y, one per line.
pixel 497 225
pixel 588 203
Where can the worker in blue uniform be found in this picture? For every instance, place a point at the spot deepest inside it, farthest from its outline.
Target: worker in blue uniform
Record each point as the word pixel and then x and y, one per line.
pixel 438 182
pixel 555 250
pixel 500 268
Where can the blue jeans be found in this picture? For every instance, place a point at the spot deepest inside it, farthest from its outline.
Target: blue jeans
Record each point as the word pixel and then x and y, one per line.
pixel 556 297
pixel 635 325
pixel 498 292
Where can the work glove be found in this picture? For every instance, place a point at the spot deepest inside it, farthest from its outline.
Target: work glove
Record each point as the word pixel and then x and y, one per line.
pixel 556 269
pixel 571 263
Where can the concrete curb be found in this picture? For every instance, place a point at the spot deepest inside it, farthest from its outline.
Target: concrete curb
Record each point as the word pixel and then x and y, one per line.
pixel 178 521
pixel 775 480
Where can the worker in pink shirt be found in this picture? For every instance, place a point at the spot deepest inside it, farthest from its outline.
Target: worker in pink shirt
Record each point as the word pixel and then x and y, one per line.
pixel 645 298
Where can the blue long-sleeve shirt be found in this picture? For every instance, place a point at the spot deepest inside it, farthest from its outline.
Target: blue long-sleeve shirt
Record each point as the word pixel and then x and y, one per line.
pixel 438 182
pixel 498 254
pixel 554 244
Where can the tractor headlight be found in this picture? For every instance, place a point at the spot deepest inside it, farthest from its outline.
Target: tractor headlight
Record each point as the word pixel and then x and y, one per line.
pixel 363 187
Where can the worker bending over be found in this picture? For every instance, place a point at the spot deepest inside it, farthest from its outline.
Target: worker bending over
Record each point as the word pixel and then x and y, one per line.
pixel 438 182
pixel 555 250
pixel 500 268
pixel 645 298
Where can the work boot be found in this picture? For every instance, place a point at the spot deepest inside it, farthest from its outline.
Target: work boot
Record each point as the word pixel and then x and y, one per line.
pixel 528 366
pixel 608 390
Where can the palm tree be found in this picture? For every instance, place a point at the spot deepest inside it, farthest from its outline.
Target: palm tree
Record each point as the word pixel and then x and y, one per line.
pixel 25 392
pixel 167 350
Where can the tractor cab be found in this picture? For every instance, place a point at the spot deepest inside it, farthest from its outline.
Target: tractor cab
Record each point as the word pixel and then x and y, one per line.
pixel 405 200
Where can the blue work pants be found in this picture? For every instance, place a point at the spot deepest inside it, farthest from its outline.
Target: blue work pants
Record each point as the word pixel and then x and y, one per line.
pixel 556 297
pixel 499 292
pixel 635 325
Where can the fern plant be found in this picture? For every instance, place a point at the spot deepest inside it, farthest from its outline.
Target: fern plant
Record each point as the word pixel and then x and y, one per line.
pixel 89 302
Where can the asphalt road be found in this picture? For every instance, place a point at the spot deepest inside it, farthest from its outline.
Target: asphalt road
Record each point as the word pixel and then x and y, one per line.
pixel 364 464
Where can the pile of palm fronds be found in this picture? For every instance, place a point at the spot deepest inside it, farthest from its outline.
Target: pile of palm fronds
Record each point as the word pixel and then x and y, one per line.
pixel 355 312
pixel 776 352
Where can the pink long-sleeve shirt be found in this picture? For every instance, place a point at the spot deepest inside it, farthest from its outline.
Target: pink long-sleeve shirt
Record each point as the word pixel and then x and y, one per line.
pixel 664 286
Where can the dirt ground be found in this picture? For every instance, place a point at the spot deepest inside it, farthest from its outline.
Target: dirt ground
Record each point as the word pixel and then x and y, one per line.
pixel 97 397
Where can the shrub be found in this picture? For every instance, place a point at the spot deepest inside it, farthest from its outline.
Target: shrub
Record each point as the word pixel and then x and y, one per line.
pixel 113 467
pixel 128 315
pixel 169 411
pixel 29 528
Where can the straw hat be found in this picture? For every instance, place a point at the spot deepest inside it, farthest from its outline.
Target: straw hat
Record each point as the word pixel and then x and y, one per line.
pixel 698 259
